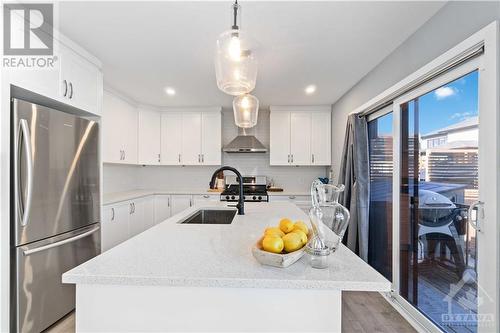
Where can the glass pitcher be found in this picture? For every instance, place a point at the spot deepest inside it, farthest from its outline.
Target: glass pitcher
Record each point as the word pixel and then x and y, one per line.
pixel 328 210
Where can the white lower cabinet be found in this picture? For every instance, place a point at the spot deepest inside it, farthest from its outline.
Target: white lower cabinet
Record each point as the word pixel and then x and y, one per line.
pixel 161 208
pixel 126 219
pixel 114 228
pixel 180 203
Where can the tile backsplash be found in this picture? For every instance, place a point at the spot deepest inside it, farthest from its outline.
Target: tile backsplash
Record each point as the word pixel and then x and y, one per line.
pixel 124 177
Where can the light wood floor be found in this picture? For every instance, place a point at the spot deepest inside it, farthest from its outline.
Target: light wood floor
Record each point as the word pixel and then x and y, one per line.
pixel 362 312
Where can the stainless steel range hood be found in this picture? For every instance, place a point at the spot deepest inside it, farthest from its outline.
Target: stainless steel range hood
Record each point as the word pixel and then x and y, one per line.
pixel 244 143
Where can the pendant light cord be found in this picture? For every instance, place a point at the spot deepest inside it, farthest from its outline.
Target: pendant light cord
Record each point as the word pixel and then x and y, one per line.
pixel 235 15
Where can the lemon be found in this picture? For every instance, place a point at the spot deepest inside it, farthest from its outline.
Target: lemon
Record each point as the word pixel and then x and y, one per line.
pixel 303 236
pixel 292 242
pixel 272 244
pixel 302 226
pixel 274 231
pixel 286 225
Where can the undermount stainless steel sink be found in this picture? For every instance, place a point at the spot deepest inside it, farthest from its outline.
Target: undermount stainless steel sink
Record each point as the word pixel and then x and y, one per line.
pixel 211 216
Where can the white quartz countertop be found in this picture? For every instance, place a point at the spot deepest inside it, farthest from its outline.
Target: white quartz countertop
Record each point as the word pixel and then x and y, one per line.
pixel 111 198
pixel 173 254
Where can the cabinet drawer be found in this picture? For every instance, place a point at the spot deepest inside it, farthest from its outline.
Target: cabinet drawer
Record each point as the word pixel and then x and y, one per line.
pixel 292 198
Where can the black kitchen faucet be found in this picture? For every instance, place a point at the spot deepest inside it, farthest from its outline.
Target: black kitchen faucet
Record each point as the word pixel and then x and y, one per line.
pixel 241 197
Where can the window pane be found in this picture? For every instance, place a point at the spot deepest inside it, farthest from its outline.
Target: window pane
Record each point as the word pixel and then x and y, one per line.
pixel 381 167
pixel 439 180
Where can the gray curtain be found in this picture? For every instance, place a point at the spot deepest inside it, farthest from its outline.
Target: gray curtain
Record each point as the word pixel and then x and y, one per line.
pixel 354 174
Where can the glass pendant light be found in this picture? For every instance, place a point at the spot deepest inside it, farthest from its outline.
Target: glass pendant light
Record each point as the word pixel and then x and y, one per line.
pixel 246 110
pixel 235 59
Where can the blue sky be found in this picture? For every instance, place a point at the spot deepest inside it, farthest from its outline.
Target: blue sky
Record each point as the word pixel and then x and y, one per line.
pixel 444 106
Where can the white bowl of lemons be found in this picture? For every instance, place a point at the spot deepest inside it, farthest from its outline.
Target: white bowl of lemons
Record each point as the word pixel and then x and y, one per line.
pixel 283 245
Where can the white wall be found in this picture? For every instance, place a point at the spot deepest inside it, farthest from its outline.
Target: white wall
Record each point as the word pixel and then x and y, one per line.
pixel 455 22
pixel 125 177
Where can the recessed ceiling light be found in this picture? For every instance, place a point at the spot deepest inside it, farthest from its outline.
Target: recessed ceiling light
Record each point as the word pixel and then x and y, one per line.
pixel 170 91
pixel 310 89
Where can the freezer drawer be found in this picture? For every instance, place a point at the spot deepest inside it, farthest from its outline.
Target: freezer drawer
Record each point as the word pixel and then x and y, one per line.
pixel 40 296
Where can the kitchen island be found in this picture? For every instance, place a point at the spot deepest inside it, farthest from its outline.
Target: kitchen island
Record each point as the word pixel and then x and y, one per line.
pixel 196 277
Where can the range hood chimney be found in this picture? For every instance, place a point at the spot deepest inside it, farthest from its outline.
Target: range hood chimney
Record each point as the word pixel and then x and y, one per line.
pixel 244 143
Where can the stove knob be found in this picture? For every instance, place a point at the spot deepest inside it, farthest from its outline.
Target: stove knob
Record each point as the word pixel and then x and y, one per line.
pixel 254 197
pixel 232 197
pixel 260 198
pixel 227 197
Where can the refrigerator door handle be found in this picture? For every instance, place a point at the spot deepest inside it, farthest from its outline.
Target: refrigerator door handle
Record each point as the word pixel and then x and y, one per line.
pixel 24 137
pixel 65 241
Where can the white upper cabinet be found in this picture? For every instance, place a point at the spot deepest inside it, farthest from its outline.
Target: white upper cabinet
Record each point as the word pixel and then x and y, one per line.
pixel 300 138
pixel 119 128
pixel 149 137
pixel 191 137
pixel 171 138
pixel 279 138
pixel 321 138
pixel 300 135
pixel 211 138
pixel 80 82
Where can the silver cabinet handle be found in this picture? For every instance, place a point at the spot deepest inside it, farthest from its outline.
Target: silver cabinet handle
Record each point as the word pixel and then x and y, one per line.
pixel 130 210
pixel 65 88
pixel 124 155
pixel 179 158
pixel 112 214
pixel 475 222
pixel 292 197
pixel 288 158
pixel 159 159
pixel 190 202
pixel 168 202
pixel 291 157
pixel 203 158
pixel 24 137
pixel 206 196
pixel 70 90
pixel 312 158
pixel 199 158
pixel 56 244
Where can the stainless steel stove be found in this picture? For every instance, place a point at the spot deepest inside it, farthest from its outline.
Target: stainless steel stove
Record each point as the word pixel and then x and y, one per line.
pixel 254 189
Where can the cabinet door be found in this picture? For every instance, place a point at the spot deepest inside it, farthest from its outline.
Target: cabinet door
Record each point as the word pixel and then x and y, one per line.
pixel 149 137
pixel 161 208
pixel 321 138
pixel 119 128
pixel 211 138
pixel 279 138
pixel 111 134
pixel 300 138
pixel 180 203
pixel 148 212
pixel 171 138
pixel 79 81
pixel 191 138
pixel 114 228
pixel 128 128
pixel 136 222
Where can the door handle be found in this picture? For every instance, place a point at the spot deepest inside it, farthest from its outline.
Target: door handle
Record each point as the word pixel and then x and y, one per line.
pixel 179 158
pixel 475 222
pixel 168 202
pixel 199 158
pixel 312 158
pixel 159 159
pixel 130 211
pixel 291 155
pixel 24 136
pixel 202 158
pixel 65 88
pixel 288 158
pixel 112 214
pixel 70 90
pixel 65 241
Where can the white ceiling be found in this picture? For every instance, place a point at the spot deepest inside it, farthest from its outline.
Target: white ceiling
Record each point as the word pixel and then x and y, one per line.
pixel 146 46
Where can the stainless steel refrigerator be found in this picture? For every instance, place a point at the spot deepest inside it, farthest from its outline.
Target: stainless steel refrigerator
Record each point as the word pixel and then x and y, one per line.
pixel 55 215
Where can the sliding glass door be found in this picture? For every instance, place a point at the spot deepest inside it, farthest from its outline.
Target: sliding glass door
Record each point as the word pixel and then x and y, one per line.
pixel 439 200
pixel 434 193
